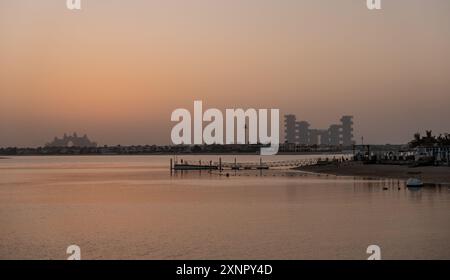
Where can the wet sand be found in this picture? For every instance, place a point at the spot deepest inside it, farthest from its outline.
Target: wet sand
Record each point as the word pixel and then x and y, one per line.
pixel 429 174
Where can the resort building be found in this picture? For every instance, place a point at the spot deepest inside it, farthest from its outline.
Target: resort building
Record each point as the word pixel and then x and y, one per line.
pixel 299 132
pixel 71 141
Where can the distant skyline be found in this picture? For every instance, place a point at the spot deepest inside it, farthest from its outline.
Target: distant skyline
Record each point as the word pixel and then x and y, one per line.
pixel 117 69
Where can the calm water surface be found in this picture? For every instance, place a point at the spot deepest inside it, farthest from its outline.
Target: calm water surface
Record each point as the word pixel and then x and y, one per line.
pixel 119 207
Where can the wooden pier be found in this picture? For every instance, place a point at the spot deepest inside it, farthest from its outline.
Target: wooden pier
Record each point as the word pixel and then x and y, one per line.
pixel 194 167
pixel 185 165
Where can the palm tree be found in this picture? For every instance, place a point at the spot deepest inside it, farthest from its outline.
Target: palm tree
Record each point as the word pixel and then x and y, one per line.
pixel 416 141
pixel 429 140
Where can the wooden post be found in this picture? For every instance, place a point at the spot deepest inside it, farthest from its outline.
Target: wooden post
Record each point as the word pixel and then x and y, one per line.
pixel 220 163
pixel 171 164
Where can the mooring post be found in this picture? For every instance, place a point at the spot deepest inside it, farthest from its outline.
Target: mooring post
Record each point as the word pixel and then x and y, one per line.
pixel 220 164
pixel 171 164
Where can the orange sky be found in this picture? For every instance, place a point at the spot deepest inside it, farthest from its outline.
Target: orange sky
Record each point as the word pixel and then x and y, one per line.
pixel 117 69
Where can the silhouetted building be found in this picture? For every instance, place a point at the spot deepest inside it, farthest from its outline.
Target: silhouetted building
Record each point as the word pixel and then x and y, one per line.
pixel 290 128
pixel 301 133
pixel 71 141
pixel 334 135
pixel 347 130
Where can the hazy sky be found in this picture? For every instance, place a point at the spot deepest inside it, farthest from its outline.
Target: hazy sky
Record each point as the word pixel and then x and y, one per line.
pixel 117 69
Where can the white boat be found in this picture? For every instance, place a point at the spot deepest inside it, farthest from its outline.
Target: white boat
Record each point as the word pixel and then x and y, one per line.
pixel 414 183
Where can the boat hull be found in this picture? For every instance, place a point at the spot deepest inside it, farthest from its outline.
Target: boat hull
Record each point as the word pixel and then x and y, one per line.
pixel 414 183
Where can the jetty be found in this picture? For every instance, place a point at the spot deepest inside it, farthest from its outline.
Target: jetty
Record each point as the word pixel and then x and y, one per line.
pixel 194 167
pixel 184 165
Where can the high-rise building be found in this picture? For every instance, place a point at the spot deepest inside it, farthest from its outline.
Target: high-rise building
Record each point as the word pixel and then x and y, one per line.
pixel 334 135
pixel 347 130
pixel 299 132
pixel 290 128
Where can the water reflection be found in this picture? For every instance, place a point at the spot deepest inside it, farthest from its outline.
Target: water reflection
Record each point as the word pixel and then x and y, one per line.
pixel 146 212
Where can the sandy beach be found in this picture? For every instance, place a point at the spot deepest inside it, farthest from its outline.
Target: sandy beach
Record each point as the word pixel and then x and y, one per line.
pixel 429 174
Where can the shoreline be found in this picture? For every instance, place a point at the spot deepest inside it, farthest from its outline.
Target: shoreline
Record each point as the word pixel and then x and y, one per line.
pixel 428 174
pixel 6 156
